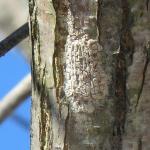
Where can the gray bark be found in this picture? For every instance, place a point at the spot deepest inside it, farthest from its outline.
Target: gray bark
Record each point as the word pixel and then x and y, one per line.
pixel 84 58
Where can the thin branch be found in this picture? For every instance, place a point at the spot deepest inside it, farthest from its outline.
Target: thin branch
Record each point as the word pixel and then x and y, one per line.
pixel 15 97
pixel 13 39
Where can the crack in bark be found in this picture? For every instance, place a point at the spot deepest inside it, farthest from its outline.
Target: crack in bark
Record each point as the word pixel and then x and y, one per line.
pixel 99 14
pixel 140 144
pixel 61 33
pixel 120 101
pixel 147 3
pixel 144 75
pixel 44 124
pixel 122 57
pixel 66 129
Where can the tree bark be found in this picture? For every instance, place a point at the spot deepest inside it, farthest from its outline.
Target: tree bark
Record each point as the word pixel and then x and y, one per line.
pixel 83 63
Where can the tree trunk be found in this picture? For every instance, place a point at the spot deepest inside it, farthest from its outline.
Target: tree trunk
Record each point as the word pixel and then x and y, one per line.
pixel 86 93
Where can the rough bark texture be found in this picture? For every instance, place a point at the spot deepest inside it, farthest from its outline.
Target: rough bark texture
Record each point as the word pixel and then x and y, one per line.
pixel 138 82
pixel 42 36
pixel 87 92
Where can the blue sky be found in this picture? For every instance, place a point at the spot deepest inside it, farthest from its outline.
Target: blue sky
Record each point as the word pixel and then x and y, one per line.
pixel 14 135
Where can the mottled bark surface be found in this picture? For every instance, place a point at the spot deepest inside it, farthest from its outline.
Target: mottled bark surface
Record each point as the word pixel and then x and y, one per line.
pixel 88 93
pixel 42 26
pixel 138 82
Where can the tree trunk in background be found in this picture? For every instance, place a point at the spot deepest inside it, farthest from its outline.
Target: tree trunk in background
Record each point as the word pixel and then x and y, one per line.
pixel 90 74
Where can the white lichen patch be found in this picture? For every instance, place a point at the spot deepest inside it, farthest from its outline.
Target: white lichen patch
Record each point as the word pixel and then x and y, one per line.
pixel 84 75
pixel 79 107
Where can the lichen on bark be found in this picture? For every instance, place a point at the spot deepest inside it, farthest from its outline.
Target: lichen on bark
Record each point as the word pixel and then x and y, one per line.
pixel 82 51
pixel 85 83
